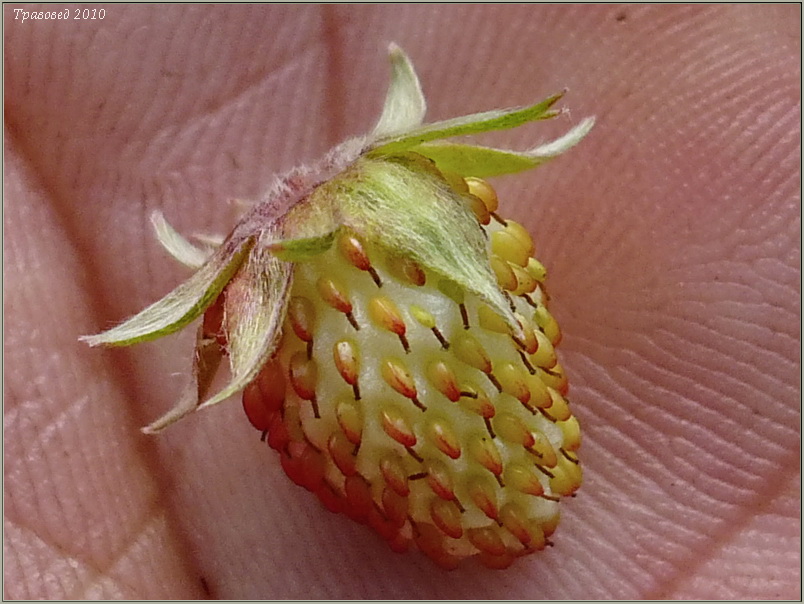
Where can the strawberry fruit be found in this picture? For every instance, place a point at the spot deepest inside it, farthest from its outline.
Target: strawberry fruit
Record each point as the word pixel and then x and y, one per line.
pixel 389 332
pixel 414 409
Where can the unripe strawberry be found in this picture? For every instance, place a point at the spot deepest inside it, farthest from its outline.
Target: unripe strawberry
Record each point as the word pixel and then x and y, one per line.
pixel 390 334
pixel 398 369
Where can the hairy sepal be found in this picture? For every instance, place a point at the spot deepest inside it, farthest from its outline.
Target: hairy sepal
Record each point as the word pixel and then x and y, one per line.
pixel 477 123
pixel 206 360
pixel 404 204
pixel 404 104
pixel 181 306
pixel 254 309
pixel 308 229
pixel 176 245
pixel 305 248
pixel 485 162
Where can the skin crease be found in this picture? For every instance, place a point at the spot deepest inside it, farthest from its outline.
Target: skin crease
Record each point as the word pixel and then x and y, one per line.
pixel 671 237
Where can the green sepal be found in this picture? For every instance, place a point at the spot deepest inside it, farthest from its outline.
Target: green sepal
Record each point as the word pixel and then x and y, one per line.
pixel 404 204
pixel 308 229
pixel 176 245
pixel 502 119
pixel 299 250
pixel 206 360
pixel 484 162
pixel 181 306
pixel 254 310
pixel 404 104
pixel 471 160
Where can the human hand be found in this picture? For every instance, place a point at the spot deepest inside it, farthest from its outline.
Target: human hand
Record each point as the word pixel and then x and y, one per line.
pixel 671 237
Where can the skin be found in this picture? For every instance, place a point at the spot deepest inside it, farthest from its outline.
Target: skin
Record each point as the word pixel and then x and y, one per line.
pixel 671 236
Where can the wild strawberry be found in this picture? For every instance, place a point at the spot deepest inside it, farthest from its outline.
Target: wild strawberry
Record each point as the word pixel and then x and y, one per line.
pixel 390 333
pixel 413 408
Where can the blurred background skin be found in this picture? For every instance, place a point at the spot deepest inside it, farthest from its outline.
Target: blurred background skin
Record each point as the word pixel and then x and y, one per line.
pixel 671 236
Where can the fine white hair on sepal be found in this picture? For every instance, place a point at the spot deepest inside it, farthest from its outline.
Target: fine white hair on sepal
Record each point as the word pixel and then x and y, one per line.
pixel 176 245
pixel 404 104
